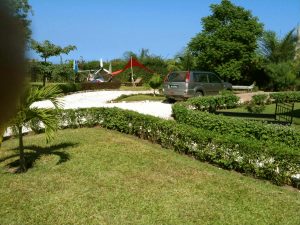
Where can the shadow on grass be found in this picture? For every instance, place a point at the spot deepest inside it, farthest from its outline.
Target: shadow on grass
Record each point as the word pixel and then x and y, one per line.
pixel 36 152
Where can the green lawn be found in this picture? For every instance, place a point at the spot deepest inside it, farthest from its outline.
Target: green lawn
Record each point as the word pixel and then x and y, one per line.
pixel 97 176
pixel 270 109
pixel 139 97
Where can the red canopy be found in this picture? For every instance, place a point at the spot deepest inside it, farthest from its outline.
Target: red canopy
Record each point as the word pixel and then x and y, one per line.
pixel 131 63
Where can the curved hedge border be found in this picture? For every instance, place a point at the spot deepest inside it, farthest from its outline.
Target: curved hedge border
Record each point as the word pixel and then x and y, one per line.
pixel 276 163
pixel 235 126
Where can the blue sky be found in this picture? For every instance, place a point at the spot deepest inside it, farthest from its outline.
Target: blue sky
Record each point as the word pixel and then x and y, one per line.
pixel 106 29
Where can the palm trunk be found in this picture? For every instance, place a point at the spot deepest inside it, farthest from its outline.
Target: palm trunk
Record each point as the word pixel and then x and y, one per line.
pixel 44 75
pixel 21 149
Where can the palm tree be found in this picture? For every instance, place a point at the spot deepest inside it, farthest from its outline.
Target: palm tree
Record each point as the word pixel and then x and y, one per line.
pixel 26 113
pixel 277 50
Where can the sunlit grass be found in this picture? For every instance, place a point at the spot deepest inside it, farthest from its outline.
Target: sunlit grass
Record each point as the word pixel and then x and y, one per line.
pixel 139 97
pixel 97 176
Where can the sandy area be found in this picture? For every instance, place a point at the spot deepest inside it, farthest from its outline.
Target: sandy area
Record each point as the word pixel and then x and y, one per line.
pixel 101 99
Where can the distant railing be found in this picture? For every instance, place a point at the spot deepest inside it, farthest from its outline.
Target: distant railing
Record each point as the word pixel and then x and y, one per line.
pixel 284 112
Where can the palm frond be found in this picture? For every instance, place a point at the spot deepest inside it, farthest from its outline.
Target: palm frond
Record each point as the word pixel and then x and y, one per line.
pixel 47 116
pixel 278 50
pixel 46 93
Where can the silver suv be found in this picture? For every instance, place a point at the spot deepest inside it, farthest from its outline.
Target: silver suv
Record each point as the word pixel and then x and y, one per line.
pixel 186 84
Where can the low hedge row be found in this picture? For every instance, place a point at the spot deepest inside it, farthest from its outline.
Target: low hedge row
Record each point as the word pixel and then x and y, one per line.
pixel 235 126
pixel 104 85
pixel 213 103
pixel 276 163
pixel 74 87
pixel 288 96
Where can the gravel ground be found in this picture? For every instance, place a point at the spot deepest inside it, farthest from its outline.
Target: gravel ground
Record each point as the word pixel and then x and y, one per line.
pixel 101 99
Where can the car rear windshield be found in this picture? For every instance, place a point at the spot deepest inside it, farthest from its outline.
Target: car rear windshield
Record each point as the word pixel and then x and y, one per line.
pixel 177 77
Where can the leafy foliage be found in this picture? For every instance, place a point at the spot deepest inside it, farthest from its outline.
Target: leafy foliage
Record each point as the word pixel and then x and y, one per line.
pixel 27 112
pixel 279 55
pixel 288 96
pixel 47 49
pixel 213 103
pixel 21 10
pixel 155 82
pixel 104 85
pixel 277 50
pixel 237 127
pixel 257 103
pixel 228 40
pixel 282 75
pixel 277 163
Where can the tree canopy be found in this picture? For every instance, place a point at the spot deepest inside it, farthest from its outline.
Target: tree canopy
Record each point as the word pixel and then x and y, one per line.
pixel 47 49
pixel 228 40
pixel 278 50
pixel 20 9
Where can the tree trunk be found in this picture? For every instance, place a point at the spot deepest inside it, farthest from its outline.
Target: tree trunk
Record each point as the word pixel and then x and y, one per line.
pixel 21 149
pixel 44 75
pixel 44 80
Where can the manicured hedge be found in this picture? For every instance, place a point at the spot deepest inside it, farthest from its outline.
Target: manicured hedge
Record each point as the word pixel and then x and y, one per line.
pixel 213 103
pixel 74 87
pixel 104 85
pixel 235 126
pixel 277 163
pixel 289 96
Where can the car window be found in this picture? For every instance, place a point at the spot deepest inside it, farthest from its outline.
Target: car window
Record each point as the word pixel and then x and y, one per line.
pixel 177 77
pixel 200 77
pixel 213 78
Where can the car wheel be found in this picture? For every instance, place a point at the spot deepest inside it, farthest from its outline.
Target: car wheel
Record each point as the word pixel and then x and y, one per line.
pixel 199 94
pixel 170 100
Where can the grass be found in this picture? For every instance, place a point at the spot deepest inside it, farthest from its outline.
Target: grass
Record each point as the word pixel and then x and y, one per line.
pixel 136 88
pixel 139 97
pixel 97 176
pixel 270 109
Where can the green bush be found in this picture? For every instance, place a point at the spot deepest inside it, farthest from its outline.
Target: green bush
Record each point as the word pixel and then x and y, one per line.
pixel 257 103
pixel 277 163
pixel 289 96
pixel 260 99
pixel 213 103
pixel 235 126
pixel 253 108
pixel 70 87
pixel 155 82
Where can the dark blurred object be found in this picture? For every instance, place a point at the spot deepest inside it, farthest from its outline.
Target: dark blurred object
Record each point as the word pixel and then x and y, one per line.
pixel 12 62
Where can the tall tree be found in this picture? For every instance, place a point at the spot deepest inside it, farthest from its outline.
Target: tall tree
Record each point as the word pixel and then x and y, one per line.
pixel 228 40
pixel 47 49
pixel 280 61
pixel 277 50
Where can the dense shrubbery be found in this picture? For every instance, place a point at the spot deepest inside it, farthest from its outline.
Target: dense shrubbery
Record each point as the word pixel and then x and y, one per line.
pixel 74 87
pixel 213 103
pixel 257 103
pixel 235 126
pixel 277 163
pixel 104 85
pixel 289 96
